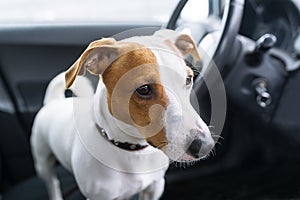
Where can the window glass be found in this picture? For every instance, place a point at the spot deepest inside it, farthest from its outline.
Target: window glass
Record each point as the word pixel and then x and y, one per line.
pixel 195 10
pixel 85 11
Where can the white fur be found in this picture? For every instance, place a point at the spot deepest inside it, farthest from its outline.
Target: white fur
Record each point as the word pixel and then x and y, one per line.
pixel 57 86
pixel 66 129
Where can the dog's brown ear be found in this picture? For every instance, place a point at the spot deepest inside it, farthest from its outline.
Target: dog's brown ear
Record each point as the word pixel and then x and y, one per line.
pixel 186 45
pixel 184 42
pixel 96 58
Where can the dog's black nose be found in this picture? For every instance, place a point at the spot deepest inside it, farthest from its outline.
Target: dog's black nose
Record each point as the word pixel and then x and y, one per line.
pixel 194 148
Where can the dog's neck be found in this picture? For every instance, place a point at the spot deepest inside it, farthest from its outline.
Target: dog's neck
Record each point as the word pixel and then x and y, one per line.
pixel 116 130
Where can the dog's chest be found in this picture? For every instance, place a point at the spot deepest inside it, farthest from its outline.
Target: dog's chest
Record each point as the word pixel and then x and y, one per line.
pixel 107 182
pixel 105 171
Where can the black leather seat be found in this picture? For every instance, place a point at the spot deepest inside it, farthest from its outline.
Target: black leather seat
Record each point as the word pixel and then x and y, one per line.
pixel 34 188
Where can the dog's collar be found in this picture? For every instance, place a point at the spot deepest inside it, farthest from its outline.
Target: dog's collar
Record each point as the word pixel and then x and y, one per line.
pixel 122 145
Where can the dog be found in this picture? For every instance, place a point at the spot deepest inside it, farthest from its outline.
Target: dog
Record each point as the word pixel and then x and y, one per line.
pixel 119 141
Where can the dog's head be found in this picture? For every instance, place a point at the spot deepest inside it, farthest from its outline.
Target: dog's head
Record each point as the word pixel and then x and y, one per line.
pixel 148 86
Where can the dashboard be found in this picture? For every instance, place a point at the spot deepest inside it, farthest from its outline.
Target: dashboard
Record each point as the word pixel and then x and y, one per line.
pixel 278 17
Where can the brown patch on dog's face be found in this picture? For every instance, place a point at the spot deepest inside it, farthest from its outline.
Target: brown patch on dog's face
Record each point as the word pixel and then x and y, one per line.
pixel 135 94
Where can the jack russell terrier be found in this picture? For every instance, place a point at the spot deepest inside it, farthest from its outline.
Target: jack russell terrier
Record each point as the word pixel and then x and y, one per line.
pixel 118 143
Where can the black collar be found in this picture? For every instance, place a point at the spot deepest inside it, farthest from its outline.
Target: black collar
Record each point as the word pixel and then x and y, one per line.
pixel 123 145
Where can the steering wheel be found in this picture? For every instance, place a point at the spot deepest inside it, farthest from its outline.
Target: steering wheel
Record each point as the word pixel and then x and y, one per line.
pixel 230 25
pixel 219 57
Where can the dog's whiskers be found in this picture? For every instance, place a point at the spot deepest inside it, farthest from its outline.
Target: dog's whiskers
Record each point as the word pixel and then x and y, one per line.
pixel 218 137
pixel 183 164
pixel 213 152
pixel 211 127
pixel 213 135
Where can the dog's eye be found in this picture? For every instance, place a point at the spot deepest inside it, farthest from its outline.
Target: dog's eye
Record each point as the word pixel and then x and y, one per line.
pixel 189 79
pixel 144 91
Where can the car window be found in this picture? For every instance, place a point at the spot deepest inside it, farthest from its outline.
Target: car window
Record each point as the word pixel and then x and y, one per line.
pixel 195 10
pixel 87 11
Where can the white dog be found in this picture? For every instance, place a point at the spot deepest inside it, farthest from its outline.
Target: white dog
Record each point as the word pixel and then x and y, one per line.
pixel 118 143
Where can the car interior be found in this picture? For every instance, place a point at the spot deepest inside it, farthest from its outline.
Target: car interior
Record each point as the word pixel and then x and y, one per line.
pixel 257 52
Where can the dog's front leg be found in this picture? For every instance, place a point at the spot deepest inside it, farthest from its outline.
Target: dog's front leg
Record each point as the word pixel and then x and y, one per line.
pixel 45 170
pixel 153 191
pixel 44 165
